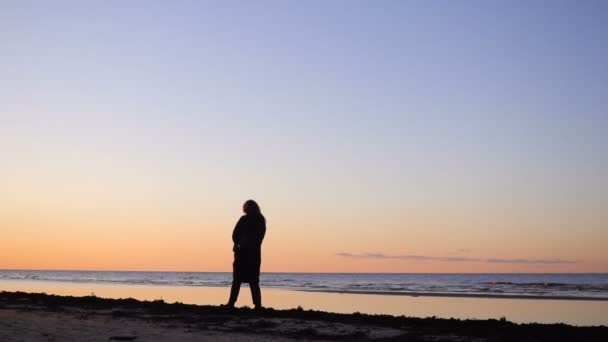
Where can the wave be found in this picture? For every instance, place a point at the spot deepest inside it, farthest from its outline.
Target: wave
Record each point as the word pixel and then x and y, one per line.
pixel 535 287
pixel 483 285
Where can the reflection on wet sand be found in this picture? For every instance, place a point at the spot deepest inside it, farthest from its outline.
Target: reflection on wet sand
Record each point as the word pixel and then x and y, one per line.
pixel 516 310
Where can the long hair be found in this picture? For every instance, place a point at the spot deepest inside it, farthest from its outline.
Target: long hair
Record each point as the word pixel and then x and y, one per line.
pixel 252 208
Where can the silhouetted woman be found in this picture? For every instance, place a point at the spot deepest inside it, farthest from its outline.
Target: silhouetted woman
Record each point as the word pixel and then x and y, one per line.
pixel 247 237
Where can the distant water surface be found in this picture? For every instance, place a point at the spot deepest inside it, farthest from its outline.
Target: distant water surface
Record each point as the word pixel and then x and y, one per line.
pixel 562 286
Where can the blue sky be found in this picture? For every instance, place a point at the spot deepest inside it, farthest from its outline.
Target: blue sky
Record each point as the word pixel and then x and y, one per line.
pixel 336 107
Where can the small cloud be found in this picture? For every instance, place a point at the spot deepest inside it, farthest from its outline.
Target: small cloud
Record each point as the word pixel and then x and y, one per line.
pixel 423 258
pixel 531 261
pixel 404 257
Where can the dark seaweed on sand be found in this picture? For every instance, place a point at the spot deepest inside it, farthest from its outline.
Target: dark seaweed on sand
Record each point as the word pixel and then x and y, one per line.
pixel 415 329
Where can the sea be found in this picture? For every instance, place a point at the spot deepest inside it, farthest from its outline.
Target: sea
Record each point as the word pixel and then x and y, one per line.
pixel 533 286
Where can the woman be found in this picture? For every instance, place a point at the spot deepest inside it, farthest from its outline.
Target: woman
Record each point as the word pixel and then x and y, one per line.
pixel 247 237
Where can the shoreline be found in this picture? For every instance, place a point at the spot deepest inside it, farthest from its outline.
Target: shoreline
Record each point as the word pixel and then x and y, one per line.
pixel 55 315
pixel 462 295
pixel 354 292
pixel 576 312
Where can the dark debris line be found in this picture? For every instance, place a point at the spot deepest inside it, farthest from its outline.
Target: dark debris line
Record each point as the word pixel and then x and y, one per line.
pixel 251 321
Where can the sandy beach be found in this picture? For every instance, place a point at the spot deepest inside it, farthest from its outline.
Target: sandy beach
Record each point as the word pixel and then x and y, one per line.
pixel 40 317
pixel 573 312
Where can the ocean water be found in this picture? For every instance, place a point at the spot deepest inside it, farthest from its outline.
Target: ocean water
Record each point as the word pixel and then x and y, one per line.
pixel 555 286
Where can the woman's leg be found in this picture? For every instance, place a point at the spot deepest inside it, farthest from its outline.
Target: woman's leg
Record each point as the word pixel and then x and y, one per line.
pixel 234 292
pixel 256 294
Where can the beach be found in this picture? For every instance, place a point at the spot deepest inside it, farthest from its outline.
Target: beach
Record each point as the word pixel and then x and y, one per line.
pixel 39 317
pixel 519 310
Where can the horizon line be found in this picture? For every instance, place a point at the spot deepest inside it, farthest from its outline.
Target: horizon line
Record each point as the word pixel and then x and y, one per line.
pixel 144 271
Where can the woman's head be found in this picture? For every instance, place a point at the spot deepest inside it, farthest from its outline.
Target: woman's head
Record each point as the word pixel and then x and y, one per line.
pixel 251 207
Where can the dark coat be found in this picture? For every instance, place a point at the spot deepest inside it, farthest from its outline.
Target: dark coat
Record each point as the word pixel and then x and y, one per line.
pixel 247 237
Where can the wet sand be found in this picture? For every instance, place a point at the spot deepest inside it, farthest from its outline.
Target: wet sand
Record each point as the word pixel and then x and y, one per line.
pixel 39 317
pixel 468 295
pixel 575 312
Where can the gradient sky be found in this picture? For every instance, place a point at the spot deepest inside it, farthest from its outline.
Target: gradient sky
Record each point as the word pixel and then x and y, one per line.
pixel 377 136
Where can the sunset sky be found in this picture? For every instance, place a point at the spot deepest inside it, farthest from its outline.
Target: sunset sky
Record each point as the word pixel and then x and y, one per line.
pixel 377 136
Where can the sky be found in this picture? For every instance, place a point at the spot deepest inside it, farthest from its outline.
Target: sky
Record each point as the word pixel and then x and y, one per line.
pixel 377 136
